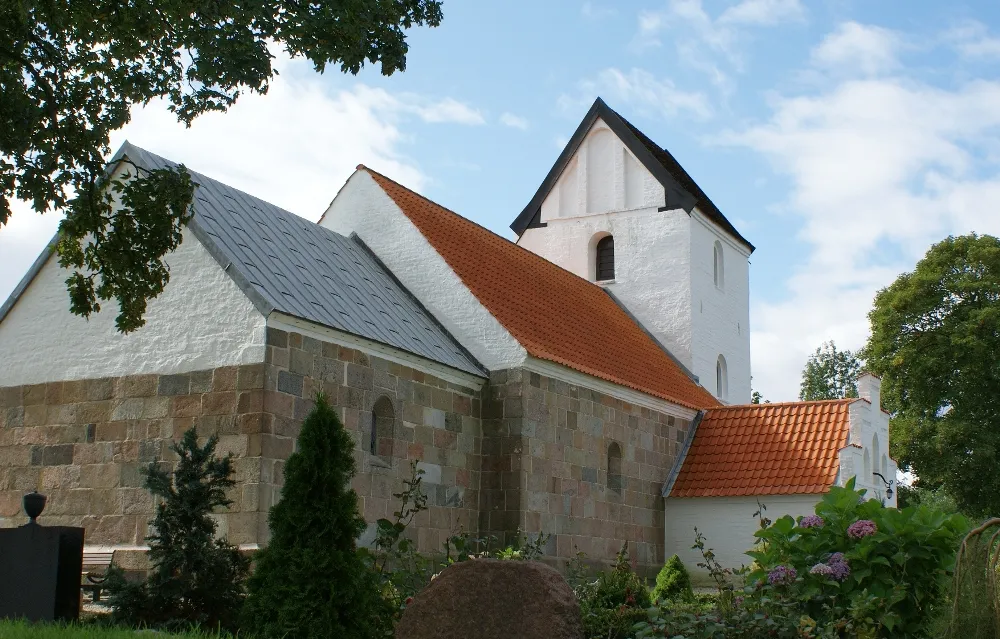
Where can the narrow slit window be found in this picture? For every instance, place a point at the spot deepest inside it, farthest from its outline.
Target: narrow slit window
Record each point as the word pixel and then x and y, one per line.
pixel 615 467
pixel 383 418
pixel 606 258
pixel 718 265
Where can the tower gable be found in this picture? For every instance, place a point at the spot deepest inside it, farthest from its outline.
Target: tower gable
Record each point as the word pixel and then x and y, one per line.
pixel 603 175
pixel 678 190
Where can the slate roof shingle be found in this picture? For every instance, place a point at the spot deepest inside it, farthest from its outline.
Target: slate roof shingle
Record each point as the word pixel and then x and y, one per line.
pixel 765 449
pixel 554 314
pixel 294 266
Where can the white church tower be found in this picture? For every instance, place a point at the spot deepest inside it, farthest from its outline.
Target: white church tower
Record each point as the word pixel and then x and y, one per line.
pixel 620 211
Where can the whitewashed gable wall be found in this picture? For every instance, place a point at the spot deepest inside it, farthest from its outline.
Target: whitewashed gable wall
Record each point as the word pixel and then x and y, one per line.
pixel 201 320
pixel 362 207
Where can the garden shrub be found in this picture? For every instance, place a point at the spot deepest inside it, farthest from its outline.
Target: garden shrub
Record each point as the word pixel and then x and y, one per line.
pixel 858 562
pixel 673 582
pixel 854 569
pixel 196 580
pixel 310 581
pixel 615 602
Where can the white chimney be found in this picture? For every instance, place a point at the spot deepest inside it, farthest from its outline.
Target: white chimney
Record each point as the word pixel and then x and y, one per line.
pixel 870 388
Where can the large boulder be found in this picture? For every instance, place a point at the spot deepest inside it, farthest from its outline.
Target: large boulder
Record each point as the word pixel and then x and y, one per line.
pixel 494 599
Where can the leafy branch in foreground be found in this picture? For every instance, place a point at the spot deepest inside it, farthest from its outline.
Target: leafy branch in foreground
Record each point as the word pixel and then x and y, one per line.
pixel 71 72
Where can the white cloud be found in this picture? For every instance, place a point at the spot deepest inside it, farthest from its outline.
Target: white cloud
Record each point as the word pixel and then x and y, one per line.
pixel 880 169
pixel 712 45
pixel 513 121
pixel 763 12
pixel 294 147
pixel 856 47
pixel 972 40
pixel 641 90
pixel 595 12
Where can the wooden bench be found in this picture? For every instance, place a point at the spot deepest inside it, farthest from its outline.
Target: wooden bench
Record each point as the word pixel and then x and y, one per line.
pixel 93 580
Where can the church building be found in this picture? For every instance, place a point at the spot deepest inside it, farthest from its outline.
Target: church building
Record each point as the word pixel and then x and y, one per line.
pixel 589 380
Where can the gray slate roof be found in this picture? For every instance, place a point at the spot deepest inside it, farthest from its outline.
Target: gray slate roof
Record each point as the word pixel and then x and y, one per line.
pixel 286 263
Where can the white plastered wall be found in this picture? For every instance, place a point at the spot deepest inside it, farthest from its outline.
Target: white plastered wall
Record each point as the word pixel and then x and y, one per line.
pixel 362 207
pixel 869 425
pixel 721 314
pixel 652 270
pixel 201 320
pixel 728 524
pixel 663 259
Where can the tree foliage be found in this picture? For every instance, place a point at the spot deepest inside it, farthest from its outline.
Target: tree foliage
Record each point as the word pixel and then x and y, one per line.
pixel 830 374
pixel 196 580
pixel 70 73
pixel 935 340
pixel 310 580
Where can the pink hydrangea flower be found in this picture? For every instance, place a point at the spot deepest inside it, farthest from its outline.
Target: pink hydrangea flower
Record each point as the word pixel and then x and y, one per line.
pixel 862 528
pixel 821 569
pixel 811 521
pixel 782 575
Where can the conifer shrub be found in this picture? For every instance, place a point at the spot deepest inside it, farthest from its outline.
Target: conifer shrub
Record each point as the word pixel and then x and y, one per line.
pixel 196 580
pixel 673 583
pixel 311 581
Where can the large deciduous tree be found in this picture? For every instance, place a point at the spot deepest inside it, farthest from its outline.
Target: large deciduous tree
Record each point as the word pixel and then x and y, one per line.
pixel 71 71
pixel 830 374
pixel 935 339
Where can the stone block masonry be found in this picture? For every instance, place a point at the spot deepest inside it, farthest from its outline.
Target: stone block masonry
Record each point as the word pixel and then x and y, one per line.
pixel 546 467
pixel 416 418
pixel 524 451
pixel 83 443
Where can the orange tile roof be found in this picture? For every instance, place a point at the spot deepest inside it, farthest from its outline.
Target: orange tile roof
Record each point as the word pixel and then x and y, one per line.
pixel 765 449
pixel 554 314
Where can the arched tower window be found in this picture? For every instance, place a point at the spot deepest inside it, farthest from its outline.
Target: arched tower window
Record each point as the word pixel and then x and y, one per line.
pixel 718 265
pixel 383 417
pixel 721 378
pixel 885 465
pixel 615 467
pixel 868 466
pixel 605 259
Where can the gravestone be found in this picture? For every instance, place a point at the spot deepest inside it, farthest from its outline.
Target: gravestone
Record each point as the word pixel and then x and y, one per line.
pixel 494 599
pixel 40 569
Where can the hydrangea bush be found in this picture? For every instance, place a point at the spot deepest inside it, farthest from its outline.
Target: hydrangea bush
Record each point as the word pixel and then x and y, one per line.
pixel 853 569
pixel 858 563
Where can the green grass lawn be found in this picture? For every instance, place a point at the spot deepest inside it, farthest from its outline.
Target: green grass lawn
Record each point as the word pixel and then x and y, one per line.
pixel 19 630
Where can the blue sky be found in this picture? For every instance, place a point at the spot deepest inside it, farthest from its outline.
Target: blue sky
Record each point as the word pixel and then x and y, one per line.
pixel 841 137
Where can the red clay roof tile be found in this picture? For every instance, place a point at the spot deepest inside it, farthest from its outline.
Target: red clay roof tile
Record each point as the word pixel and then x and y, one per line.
pixel 765 449
pixel 554 314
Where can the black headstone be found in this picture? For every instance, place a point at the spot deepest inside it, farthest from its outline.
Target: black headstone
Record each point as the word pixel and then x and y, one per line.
pixel 40 572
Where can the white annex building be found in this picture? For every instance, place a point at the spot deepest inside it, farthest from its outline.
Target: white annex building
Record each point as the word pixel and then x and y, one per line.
pixel 589 380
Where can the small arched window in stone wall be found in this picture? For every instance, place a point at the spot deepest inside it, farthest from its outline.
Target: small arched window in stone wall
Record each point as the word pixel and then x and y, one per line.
pixel 868 467
pixel 615 467
pixel 383 418
pixel 885 465
pixel 606 258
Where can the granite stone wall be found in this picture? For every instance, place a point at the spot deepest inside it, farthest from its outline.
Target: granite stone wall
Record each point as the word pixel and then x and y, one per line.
pixel 524 452
pixel 546 460
pixel 82 443
pixel 418 418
